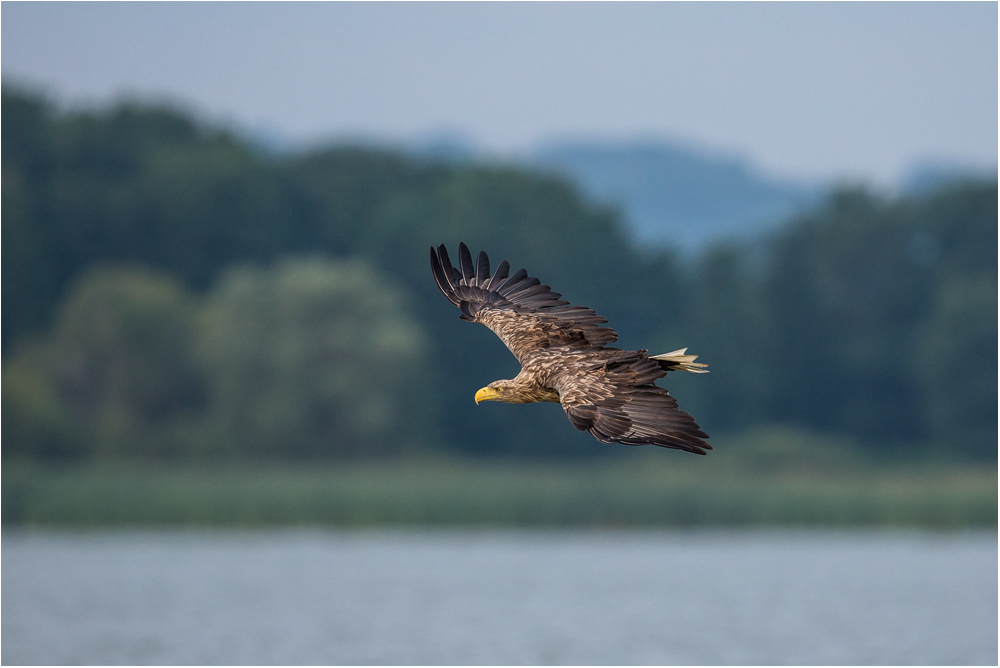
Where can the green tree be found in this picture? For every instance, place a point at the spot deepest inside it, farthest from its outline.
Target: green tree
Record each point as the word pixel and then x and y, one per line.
pixel 824 325
pixel 29 267
pixel 117 374
pixel 853 291
pixel 957 364
pixel 722 320
pixel 37 422
pixel 136 183
pixel 313 358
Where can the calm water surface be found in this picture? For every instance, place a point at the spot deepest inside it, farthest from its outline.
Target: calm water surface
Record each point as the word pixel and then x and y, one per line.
pixel 518 597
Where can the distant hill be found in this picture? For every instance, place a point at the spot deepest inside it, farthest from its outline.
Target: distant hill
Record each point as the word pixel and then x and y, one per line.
pixel 670 195
pixel 928 176
pixel 678 197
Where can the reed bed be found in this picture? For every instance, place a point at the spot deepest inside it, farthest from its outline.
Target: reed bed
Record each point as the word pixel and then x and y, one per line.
pixel 644 491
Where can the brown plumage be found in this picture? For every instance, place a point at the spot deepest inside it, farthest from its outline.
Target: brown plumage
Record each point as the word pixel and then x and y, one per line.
pixel 562 350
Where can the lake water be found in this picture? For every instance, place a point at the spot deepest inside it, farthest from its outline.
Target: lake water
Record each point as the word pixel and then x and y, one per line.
pixel 499 597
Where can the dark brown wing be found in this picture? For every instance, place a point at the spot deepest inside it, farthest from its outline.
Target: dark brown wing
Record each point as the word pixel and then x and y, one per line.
pixel 525 314
pixel 611 394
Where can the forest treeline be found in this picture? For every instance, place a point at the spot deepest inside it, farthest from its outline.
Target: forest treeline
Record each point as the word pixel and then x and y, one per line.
pixel 172 291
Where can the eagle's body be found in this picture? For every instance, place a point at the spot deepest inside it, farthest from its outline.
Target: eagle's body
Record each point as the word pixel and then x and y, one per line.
pixel 562 350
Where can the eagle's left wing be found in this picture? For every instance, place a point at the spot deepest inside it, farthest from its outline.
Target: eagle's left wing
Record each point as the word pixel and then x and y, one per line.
pixel 614 398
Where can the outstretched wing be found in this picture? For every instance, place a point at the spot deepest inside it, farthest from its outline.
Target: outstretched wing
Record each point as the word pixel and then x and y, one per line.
pixel 525 314
pixel 612 396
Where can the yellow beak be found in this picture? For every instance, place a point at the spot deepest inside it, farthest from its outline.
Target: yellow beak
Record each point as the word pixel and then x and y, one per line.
pixel 486 394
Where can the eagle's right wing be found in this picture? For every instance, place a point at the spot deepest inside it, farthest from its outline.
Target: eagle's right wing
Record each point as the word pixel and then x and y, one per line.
pixel 525 314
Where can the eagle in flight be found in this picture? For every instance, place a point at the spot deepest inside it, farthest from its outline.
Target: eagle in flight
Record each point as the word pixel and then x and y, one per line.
pixel 562 350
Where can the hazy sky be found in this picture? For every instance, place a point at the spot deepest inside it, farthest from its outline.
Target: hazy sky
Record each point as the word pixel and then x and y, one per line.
pixel 817 90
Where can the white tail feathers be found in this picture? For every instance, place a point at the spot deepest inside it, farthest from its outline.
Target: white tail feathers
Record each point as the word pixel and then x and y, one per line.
pixel 677 360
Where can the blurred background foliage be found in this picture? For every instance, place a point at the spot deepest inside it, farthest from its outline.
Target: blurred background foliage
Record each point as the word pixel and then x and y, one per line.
pixel 171 292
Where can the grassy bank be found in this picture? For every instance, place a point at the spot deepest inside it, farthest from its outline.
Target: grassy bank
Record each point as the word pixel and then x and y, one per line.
pixel 651 489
